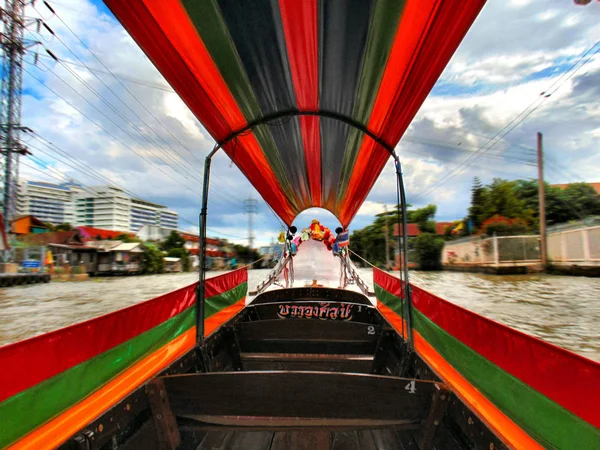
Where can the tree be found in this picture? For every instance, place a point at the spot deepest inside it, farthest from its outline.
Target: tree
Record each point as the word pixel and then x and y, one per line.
pixel 577 201
pixel 583 199
pixel 152 260
pixel 501 199
pixel 369 242
pixel 428 248
pixel 245 253
pixel 477 208
pixel 124 237
pixel 63 227
pixel 423 217
pixel 174 240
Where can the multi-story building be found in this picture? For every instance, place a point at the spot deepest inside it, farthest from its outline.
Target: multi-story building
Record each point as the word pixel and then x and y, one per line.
pixel 48 202
pixel 106 207
pixel 148 213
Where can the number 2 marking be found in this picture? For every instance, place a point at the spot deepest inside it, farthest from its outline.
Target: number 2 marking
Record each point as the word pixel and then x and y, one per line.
pixel 411 387
pixel 371 330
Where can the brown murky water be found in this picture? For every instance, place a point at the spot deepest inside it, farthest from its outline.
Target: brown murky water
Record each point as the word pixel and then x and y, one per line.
pixel 561 310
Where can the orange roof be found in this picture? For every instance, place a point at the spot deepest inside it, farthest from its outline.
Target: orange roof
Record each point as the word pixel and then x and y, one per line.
pixel 53 237
pixel 440 227
pixel 90 233
pixel 596 186
pixel 23 224
pixel 190 237
pixel 413 230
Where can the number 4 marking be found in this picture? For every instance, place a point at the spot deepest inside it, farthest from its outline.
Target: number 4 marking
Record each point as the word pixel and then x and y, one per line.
pixel 411 387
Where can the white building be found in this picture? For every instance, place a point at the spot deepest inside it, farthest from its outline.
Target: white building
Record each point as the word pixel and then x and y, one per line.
pixel 106 207
pixel 152 233
pixel 147 213
pixel 48 202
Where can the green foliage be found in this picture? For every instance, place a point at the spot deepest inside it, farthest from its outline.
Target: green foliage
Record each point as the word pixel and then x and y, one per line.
pixel 428 249
pixel 63 227
pixel 245 254
pixel 505 229
pixel 583 199
pixel 519 200
pixel 423 217
pixel 152 260
pixel 500 199
pixel 59 227
pixel 369 242
pixel 124 237
pixel 186 264
pixel 174 240
pixel 477 208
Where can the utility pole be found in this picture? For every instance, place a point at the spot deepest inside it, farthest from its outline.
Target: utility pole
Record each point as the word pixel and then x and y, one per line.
pixel 542 201
pixel 250 208
pixel 13 47
pixel 387 243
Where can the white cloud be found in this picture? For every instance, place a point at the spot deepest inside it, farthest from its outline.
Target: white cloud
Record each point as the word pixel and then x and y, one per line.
pixel 499 69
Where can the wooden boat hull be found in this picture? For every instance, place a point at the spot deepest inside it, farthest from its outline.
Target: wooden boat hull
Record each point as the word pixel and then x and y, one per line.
pixel 263 382
pixel 295 366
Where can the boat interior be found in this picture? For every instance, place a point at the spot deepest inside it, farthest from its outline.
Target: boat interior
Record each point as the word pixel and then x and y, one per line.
pixel 299 368
pixel 309 100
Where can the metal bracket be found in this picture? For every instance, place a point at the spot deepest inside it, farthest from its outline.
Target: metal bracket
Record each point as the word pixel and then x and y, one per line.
pixel 435 417
pixel 164 420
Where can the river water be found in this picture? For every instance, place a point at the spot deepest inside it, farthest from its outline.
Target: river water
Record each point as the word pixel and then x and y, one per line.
pixel 562 310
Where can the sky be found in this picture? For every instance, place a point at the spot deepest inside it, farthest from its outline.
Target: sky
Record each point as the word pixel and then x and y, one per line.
pixel 107 115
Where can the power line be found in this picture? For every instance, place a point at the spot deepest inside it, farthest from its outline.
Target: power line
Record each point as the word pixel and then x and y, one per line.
pixel 95 70
pixel 83 44
pixel 184 171
pixel 222 194
pixel 106 131
pixel 88 170
pixel 518 119
pixel 466 149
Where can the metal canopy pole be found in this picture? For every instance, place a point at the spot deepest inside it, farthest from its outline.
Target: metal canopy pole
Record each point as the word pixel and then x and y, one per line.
pixel 407 290
pixel 201 290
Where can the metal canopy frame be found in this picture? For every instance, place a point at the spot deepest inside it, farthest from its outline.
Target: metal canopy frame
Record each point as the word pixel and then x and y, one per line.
pixel 201 290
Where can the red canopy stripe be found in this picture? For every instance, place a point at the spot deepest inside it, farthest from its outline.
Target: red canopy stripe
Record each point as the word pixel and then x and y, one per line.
pixel 301 34
pixel 192 69
pixel 235 63
pixel 539 364
pixel 226 282
pixel 428 35
pixel 34 360
pixel 415 17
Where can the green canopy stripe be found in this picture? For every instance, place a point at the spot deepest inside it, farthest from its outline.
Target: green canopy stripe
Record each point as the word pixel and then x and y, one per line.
pixel 218 302
pixel 31 408
pixel 382 31
pixel 546 421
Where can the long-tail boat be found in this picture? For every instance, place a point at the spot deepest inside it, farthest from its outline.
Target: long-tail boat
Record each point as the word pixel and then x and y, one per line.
pixel 309 99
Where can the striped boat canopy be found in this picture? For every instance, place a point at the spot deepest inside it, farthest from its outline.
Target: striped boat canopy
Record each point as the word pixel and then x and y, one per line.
pixel 307 97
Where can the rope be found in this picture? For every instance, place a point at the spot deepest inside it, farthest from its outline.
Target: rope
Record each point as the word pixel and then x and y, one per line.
pixel 362 259
pixel 253 262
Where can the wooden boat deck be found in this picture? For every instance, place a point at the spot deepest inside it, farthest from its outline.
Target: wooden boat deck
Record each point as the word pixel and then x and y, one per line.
pixel 374 439
pixel 307 368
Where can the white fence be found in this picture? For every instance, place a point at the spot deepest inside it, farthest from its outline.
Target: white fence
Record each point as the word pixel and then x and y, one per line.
pixel 573 246
pixel 578 246
pixel 494 251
